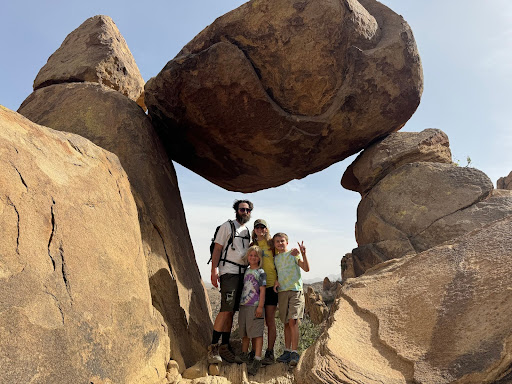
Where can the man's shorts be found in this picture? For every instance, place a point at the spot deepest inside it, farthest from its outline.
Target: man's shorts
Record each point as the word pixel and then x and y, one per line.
pixel 248 324
pixel 270 296
pixel 291 305
pixel 231 285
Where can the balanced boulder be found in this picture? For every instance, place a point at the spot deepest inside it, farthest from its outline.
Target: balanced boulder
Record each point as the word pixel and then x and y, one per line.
pixel 75 299
pixel 277 90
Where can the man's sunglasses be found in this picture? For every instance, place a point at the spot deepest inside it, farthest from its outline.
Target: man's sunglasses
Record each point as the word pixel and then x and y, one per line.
pixel 248 210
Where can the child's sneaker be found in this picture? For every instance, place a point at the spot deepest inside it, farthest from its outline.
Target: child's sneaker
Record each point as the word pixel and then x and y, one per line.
pixel 269 357
pixel 285 357
pixel 213 354
pixel 294 359
pixel 251 355
pixel 242 358
pixel 226 353
pixel 254 367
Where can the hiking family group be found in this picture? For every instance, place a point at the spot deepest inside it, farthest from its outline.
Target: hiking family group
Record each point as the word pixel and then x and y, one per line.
pixel 256 273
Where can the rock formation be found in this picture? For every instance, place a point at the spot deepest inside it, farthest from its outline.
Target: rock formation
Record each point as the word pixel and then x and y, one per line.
pixel 315 307
pixel 409 205
pixel 277 90
pixel 117 124
pixel 505 182
pixel 397 149
pixel 94 52
pixel 76 304
pixel 442 316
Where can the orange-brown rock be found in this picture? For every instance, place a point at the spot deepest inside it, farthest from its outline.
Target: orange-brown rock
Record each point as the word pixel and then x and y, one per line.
pixel 117 124
pixel 505 182
pixel 442 316
pixel 421 205
pixel 315 307
pixel 277 90
pixel 75 299
pixel 95 52
pixel 397 149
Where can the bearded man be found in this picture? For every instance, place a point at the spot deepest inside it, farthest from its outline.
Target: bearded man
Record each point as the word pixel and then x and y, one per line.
pixel 231 243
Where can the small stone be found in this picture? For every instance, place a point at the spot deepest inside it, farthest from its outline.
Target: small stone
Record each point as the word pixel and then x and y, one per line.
pixel 214 370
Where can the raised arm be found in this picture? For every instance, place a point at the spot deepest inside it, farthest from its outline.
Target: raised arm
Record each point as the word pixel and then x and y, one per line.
pixel 304 263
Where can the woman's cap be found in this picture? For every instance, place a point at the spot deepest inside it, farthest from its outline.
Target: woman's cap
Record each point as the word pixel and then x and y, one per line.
pixel 260 222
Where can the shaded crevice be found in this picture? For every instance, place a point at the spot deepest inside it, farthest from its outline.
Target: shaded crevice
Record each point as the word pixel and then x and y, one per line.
pixel 165 250
pixel 57 304
pixel 52 233
pixel 75 147
pixel 64 273
pixel 396 361
pixel 9 201
pixel 21 177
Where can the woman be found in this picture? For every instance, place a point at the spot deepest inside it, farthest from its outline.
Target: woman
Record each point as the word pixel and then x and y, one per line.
pixel 261 237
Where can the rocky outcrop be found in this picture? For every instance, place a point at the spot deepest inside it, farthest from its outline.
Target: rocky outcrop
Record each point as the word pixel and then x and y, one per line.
pixel 347 267
pixel 397 149
pixel 116 123
pixel 505 182
pixel 414 198
pixel 315 307
pixel 420 205
pixel 277 90
pixel 94 52
pixel 442 316
pixel 76 304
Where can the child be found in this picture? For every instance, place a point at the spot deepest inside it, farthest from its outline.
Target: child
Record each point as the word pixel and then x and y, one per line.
pixel 261 237
pixel 251 315
pixel 291 295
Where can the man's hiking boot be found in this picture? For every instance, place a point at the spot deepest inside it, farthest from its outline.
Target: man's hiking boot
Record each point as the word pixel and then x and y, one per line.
pixel 226 353
pixel 242 358
pixel 213 354
pixel 285 357
pixel 254 367
pixel 269 357
pixel 294 359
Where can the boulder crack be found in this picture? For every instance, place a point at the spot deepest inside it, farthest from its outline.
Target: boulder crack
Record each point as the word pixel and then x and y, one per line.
pixel 165 250
pixel 52 233
pixel 21 177
pixel 9 201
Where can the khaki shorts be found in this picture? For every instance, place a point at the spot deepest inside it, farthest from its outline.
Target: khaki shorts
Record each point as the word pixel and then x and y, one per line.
pixel 291 305
pixel 248 324
pixel 231 285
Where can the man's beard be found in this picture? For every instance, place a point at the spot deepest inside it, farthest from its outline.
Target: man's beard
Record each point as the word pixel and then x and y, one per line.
pixel 242 219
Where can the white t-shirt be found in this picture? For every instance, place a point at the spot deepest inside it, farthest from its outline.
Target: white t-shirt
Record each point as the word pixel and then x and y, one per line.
pixel 241 243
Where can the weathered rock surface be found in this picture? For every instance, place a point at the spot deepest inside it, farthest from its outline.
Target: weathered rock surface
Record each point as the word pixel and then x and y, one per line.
pixel 75 300
pixel 276 90
pixel 347 267
pixel 116 123
pixel 94 52
pixel 442 316
pixel 505 182
pixel 397 149
pixel 421 205
pixel 315 307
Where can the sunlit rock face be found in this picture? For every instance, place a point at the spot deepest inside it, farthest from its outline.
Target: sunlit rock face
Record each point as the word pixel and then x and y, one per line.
pixel 117 124
pixel 76 303
pixel 277 90
pixel 441 316
pixel 94 52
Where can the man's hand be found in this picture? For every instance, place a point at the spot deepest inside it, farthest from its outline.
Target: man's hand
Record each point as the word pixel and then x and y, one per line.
pixel 215 278
pixel 259 312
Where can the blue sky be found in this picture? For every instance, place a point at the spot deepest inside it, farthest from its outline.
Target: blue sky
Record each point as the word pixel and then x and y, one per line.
pixel 466 52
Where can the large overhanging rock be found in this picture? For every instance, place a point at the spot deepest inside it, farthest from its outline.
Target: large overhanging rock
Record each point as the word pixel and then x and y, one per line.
pixel 95 52
pixel 421 205
pixel 399 148
pixel 442 316
pixel 276 90
pixel 75 301
pixel 116 123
